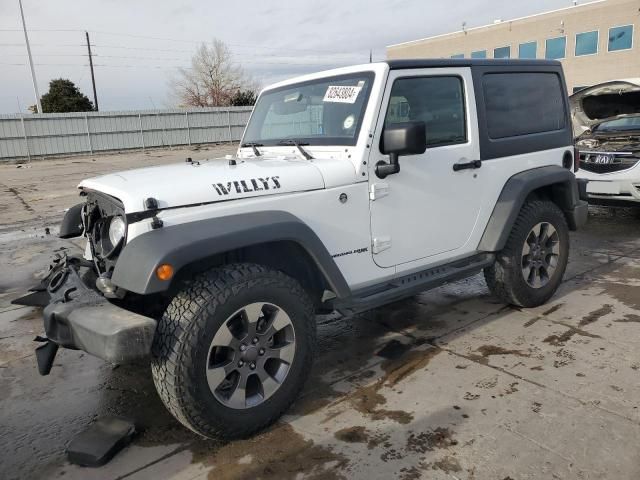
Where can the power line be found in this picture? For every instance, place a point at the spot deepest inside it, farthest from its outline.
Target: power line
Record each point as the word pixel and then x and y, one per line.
pixel 183 51
pixel 46 64
pixel 270 55
pixel 102 32
pixel 136 58
pixel 42 45
pixel 178 40
pixel 47 54
pixel 172 50
pixel 39 30
pixel 175 40
pixel 166 66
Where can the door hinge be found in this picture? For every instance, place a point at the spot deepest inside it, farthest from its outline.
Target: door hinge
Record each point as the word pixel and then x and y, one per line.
pixel 378 190
pixel 380 244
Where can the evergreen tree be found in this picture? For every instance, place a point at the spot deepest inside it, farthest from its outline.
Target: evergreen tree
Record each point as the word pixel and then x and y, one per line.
pixel 63 96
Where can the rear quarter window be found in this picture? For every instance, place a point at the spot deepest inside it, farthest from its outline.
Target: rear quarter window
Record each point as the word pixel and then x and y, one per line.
pixel 523 103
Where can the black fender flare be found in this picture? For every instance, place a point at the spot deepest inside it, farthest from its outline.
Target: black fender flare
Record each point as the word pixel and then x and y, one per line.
pixel 183 244
pixel 565 194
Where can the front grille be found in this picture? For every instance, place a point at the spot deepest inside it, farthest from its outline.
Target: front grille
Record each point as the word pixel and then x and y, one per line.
pixel 619 163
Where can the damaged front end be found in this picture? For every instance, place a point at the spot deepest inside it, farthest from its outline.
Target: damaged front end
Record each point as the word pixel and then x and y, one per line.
pixel 81 310
pixel 606 120
pixel 602 151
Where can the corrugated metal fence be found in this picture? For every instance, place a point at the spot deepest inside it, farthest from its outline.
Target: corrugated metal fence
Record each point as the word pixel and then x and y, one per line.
pixel 47 134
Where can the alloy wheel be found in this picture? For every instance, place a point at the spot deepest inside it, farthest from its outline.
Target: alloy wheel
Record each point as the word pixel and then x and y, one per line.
pixel 250 355
pixel 540 254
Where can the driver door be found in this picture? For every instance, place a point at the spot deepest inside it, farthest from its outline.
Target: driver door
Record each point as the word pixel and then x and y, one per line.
pixel 427 211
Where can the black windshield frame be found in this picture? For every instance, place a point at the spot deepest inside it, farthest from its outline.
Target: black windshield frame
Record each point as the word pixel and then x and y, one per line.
pixel 257 117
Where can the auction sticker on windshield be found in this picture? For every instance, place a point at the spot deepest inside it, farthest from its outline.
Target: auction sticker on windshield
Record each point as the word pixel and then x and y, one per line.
pixel 341 94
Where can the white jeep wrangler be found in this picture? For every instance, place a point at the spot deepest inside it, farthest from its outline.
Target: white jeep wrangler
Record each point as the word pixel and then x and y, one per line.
pixel 351 188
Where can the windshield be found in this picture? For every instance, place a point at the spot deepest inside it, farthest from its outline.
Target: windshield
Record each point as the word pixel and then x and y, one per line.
pixel 619 125
pixel 326 111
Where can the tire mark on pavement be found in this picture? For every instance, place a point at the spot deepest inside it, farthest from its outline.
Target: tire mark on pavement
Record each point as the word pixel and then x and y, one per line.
pixel 18 197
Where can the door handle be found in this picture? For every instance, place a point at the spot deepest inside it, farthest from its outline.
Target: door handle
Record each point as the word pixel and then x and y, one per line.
pixel 463 166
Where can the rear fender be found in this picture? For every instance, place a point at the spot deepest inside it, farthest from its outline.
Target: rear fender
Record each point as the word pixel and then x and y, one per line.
pixel 557 182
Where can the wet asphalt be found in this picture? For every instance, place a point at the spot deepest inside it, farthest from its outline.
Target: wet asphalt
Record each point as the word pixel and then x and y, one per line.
pixel 446 384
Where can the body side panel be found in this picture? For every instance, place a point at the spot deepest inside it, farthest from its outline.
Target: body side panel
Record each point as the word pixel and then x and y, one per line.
pixel 493 175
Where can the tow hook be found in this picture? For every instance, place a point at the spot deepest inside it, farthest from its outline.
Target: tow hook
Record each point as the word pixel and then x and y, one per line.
pixel 45 354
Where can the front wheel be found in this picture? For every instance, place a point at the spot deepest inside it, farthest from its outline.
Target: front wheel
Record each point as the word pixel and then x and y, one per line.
pixel 233 349
pixel 529 269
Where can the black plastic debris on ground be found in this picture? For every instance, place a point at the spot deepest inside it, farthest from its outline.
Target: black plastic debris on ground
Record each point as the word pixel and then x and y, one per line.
pixel 101 441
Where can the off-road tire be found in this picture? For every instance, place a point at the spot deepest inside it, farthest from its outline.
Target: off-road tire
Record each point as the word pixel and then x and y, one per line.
pixel 185 331
pixel 505 279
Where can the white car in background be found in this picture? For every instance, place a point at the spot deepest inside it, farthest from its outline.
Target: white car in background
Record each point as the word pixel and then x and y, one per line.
pixel 606 120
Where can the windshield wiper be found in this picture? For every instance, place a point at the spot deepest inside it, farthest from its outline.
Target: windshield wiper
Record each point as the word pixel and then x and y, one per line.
pixel 254 146
pixel 298 145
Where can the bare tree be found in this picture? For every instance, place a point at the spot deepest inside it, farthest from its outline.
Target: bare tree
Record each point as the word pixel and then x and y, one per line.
pixel 213 80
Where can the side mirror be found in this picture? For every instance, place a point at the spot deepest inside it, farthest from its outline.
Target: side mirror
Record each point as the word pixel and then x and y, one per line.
pixel 407 138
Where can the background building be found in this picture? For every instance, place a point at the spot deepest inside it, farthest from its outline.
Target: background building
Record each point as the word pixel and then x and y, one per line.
pixel 596 41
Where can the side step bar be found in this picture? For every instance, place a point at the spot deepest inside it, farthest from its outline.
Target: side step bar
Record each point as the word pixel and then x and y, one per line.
pixel 412 284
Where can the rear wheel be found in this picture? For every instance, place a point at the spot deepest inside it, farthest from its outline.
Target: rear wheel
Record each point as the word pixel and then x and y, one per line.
pixel 233 349
pixel 529 269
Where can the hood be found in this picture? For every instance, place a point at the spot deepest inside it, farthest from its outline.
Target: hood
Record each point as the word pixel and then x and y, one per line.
pixel 208 181
pixel 602 102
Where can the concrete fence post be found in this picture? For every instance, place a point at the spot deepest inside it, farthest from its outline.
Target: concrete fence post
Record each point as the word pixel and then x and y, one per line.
pixel 86 124
pixel 229 123
pixel 26 140
pixel 141 131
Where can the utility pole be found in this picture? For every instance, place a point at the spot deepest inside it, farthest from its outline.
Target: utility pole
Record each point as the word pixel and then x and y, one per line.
pixel 93 78
pixel 33 72
pixel 370 56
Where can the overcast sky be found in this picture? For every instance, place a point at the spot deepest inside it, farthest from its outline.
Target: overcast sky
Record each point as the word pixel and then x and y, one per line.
pixel 139 43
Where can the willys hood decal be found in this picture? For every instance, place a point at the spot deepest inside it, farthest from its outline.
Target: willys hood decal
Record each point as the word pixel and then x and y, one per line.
pixel 604 101
pixel 208 181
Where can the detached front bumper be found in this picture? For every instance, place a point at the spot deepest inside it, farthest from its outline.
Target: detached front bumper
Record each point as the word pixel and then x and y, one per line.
pixel 80 318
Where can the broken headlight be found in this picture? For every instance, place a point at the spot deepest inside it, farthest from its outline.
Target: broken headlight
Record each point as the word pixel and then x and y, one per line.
pixel 117 230
pixel 588 143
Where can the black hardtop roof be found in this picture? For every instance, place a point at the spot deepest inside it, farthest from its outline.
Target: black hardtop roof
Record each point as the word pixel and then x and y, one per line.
pixel 468 62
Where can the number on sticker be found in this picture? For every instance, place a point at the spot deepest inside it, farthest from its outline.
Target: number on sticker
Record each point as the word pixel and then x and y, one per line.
pixel 341 94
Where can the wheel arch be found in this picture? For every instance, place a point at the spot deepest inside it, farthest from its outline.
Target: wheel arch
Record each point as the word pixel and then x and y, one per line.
pixel 274 239
pixel 551 183
pixel 287 256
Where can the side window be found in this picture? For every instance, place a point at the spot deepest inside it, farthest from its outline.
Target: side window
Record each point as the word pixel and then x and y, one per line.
pixel 436 101
pixel 523 103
